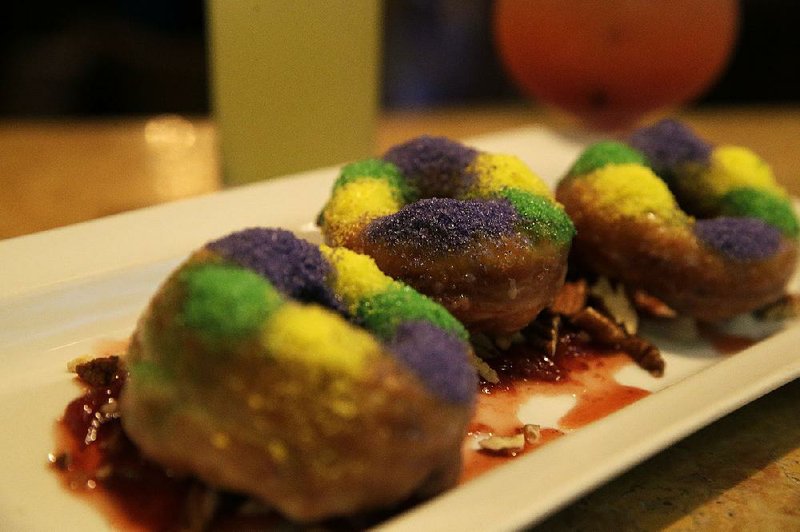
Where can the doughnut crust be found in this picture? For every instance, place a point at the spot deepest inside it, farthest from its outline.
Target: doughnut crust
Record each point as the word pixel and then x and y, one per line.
pixel 676 218
pixel 480 233
pixel 497 287
pixel 303 377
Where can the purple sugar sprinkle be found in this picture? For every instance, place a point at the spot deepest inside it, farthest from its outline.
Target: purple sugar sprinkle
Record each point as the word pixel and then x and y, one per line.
pixel 437 358
pixel 294 266
pixel 739 238
pixel 668 144
pixel 444 224
pixel 435 166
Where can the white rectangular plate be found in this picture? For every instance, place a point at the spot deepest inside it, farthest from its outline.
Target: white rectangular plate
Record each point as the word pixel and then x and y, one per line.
pixel 64 292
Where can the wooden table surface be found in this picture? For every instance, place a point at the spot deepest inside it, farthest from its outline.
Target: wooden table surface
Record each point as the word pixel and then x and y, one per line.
pixel 740 473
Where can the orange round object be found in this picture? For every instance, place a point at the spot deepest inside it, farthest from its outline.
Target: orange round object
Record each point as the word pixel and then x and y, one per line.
pixel 609 62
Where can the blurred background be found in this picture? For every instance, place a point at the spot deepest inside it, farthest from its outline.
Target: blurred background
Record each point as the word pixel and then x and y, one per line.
pixel 137 57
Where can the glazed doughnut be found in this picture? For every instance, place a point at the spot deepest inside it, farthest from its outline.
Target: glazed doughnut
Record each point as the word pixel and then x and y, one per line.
pixel 478 232
pixel 301 376
pixel 706 229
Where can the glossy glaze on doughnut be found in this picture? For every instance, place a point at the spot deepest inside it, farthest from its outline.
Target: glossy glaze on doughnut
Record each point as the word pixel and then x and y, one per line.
pixel 301 376
pixel 706 229
pixel 478 232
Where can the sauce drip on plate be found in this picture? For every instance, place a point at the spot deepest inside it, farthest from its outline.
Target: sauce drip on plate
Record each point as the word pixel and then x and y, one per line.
pixel 576 370
pixel 95 458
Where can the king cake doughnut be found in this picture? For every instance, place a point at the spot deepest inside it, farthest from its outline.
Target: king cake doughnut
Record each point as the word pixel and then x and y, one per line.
pixel 707 229
pixel 478 232
pixel 299 375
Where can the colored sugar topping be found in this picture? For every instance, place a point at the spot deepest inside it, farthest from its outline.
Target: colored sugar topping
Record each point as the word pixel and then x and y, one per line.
pixel 383 313
pixel 316 337
pixel 668 145
pixel 493 173
pixel 540 218
pixel 739 238
pixel 148 373
pixel 437 358
pixel 375 169
pixel 444 224
pixel 382 303
pixel 634 191
pixel 355 204
pixel 226 302
pixel 602 154
pixel 733 167
pixel 295 267
pixel 357 276
pixel 458 196
pixel 756 203
pixel 435 166
pixel 230 300
pixel 701 188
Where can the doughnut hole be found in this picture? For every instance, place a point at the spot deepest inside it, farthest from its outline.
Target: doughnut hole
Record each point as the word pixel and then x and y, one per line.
pixel 434 166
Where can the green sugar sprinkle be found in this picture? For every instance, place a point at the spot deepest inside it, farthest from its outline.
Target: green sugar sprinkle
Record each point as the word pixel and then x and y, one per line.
pixel 376 169
pixel 759 203
pixel 225 301
pixel 541 218
pixel 384 312
pixel 604 153
pixel 147 372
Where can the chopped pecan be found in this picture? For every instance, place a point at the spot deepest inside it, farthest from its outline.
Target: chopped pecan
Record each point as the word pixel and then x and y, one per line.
pixel 98 372
pixel 483 369
pixel 605 331
pixel 503 444
pixel 532 433
pixel 652 306
pixel 614 300
pixel 571 299
pixel 544 332
pixel 646 355
pixel 600 327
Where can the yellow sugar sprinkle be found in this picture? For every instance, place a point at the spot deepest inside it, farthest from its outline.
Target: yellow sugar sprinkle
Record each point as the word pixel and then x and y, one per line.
pixel 220 440
pixel 357 276
pixel 277 450
pixel 318 338
pixel 734 167
pixel 633 190
pixel 356 203
pixel 343 407
pixel 494 172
